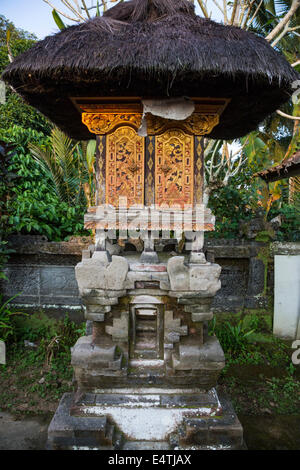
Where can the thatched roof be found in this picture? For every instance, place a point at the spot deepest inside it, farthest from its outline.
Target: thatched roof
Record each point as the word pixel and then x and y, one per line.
pixel 154 49
pixel 286 169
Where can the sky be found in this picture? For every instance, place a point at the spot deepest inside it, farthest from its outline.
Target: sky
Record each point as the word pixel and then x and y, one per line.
pixel 35 16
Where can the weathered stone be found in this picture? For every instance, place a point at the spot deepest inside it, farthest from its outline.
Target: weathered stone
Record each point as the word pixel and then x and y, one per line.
pixel 119 330
pixel 200 317
pixel 149 257
pixel 69 432
pixel 98 273
pixel 96 312
pixel 203 278
pixel 196 356
pixel 199 421
pixel 223 432
pixel 203 302
pixel 258 302
pixel 97 308
pixel 106 301
pixel 86 354
pixel 89 328
pixel 148 268
pixel 113 248
pixel 86 254
pixel 90 296
pixel 197 258
pixel 97 317
pixel 256 281
pixel 23 270
pixel 178 273
pixel 286 248
pixel 147 276
pixel 102 257
pixel 143 344
pixel 173 328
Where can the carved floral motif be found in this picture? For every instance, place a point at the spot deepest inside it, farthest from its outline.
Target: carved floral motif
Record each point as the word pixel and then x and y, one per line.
pixel 99 123
pixel 174 157
pixel 196 124
pixel 125 167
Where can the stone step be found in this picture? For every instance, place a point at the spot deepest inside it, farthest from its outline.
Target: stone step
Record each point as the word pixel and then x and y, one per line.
pixel 146 445
pixel 110 433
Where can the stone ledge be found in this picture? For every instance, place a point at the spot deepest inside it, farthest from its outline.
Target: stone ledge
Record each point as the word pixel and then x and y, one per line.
pixel 186 428
pixel 290 249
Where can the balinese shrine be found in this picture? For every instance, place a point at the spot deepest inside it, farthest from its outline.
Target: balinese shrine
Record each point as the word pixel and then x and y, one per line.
pixel 150 80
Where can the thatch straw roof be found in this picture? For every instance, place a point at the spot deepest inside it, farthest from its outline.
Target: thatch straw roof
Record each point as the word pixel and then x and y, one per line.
pixel 286 169
pixel 154 49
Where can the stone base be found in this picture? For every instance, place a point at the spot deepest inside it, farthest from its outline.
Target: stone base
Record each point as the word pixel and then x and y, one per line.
pixel 145 420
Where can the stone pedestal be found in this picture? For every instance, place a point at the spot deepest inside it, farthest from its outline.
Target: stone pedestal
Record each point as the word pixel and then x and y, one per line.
pixel 133 419
pixel 146 377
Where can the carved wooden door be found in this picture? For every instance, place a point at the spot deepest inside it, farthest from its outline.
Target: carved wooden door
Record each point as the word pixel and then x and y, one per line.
pixel 125 151
pixel 174 160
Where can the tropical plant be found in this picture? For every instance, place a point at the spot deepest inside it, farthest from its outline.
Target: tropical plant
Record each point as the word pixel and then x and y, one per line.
pixel 6 316
pixel 7 179
pixel 69 166
pixel 289 229
pixel 34 206
pixel 77 10
pixel 87 152
pixel 15 111
pixel 233 338
pixel 59 160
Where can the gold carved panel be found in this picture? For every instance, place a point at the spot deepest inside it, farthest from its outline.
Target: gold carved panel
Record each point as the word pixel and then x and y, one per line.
pixel 125 151
pixel 174 163
pixel 196 124
pixel 104 123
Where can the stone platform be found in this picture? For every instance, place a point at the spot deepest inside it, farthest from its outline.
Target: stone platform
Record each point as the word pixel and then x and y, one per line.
pixel 132 419
pixel 146 375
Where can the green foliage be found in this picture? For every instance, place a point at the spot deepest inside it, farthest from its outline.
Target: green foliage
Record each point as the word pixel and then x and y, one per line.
pixel 7 179
pixel 290 227
pixel 283 393
pixel 53 338
pixel 264 236
pixel 16 33
pixel 34 207
pixel 261 323
pixel 233 338
pixel 59 22
pixel 232 204
pixel 6 318
pixel 15 111
pixel 4 255
pixel 61 162
pixel 238 202
pixel 35 377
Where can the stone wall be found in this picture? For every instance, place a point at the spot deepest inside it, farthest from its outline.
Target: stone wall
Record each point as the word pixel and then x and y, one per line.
pixel 42 273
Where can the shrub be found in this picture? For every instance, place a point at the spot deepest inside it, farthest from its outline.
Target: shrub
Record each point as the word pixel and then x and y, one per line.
pixel 6 318
pixel 34 207
pixel 233 338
